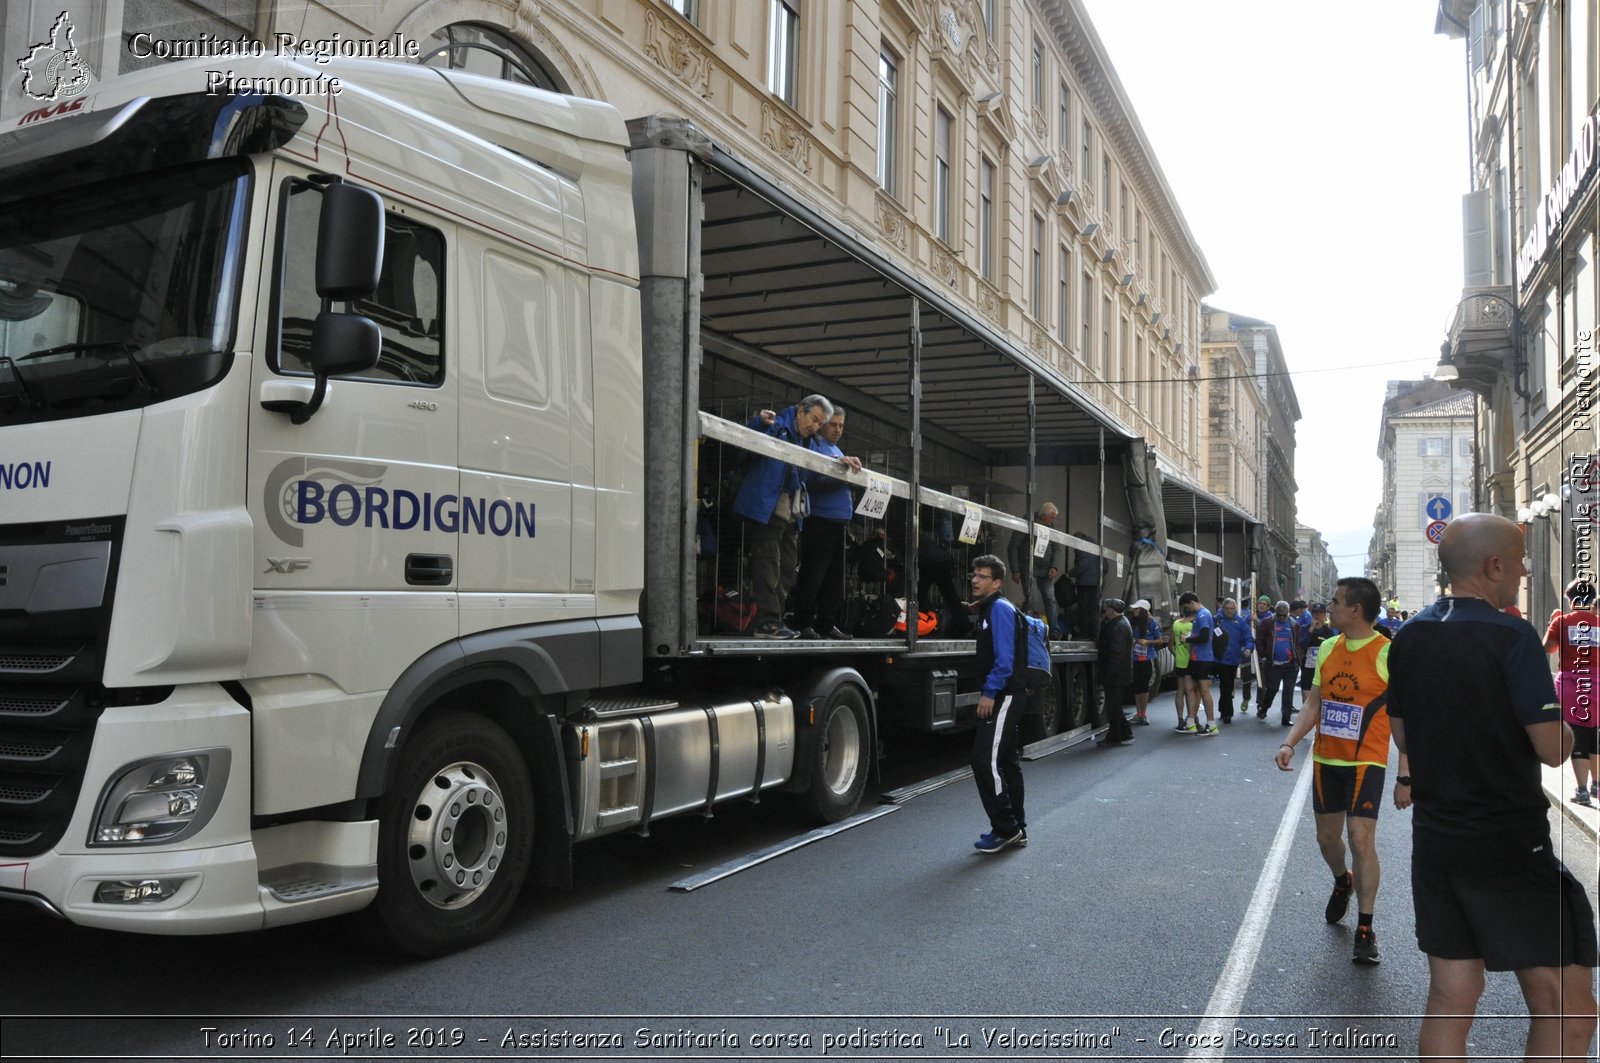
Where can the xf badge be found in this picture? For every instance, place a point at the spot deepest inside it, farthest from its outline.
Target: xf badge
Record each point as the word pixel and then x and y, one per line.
pixel 287 565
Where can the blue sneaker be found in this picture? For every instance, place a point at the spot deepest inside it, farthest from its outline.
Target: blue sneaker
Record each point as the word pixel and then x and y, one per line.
pixel 990 842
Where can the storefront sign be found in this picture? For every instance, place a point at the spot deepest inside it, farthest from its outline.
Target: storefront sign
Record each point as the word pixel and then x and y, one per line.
pixel 1555 203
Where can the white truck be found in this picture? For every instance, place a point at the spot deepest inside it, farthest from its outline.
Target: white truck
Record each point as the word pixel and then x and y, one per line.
pixel 347 506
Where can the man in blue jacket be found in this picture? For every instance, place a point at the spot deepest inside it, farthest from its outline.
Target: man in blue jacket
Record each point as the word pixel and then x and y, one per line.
pixel 1241 641
pixel 766 502
pixel 819 592
pixel 995 764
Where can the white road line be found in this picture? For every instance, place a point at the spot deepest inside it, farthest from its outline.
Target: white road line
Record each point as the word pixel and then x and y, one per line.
pixel 1223 1008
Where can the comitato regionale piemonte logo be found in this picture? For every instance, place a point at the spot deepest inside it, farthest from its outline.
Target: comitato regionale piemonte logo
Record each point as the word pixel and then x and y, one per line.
pixel 53 69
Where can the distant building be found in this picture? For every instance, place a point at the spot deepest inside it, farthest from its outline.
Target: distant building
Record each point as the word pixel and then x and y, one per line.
pixel 1249 449
pixel 1316 575
pixel 1425 441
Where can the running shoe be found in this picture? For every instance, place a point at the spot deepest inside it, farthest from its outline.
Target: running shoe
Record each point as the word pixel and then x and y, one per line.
pixel 1141 721
pixel 1186 728
pixel 1339 903
pixel 990 842
pixel 1208 731
pixel 774 630
pixel 1582 797
pixel 1366 947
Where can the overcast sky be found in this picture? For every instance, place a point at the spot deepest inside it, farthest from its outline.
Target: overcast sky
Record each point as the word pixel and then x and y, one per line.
pixel 1319 155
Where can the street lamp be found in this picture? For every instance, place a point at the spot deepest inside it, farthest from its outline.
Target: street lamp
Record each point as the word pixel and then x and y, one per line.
pixel 1446 369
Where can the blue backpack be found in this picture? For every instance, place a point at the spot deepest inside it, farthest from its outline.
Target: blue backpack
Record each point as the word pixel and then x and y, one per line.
pixel 1033 647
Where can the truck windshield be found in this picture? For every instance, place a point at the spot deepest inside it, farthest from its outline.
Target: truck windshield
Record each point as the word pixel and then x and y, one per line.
pixel 118 295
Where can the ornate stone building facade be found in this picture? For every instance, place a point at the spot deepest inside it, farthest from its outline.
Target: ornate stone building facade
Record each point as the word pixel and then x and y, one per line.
pixel 986 144
pixel 1522 340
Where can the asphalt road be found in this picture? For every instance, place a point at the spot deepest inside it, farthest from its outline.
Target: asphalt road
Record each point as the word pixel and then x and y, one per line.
pixel 1151 916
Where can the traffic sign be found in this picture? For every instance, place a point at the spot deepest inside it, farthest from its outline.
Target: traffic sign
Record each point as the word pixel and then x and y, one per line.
pixel 1438 508
pixel 1436 531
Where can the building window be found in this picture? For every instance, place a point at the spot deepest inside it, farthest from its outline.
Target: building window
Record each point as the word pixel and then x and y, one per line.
pixel 1036 293
pixel 1086 350
pixel 1105 180
pixel 1107 312
pixel 988 17
pixel 1064 297
pixel 1466 446
pixel 487 51
pixel 1084 172
pixel 888 122
pixel 1122 211
pixel 986 220
pixel 1038 75
pixel 1064 120
pixel 689 9
pixel 783 52
pixel 1433 446
pixel 941 174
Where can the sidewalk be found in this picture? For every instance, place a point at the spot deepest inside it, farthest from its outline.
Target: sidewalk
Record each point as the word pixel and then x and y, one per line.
pixel 1559 788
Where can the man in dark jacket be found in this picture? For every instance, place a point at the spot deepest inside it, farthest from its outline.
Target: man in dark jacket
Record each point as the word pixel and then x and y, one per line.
pixel 1115 670
pixel 1086 571
pixel 765 501
pixel 996 766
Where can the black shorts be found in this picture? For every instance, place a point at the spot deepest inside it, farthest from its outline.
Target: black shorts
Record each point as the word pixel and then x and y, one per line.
pixel 1305 678
pixel 1201 670
pixel 1583 741
pixel 1536 915
pixel 1143 672
pixel 1355 790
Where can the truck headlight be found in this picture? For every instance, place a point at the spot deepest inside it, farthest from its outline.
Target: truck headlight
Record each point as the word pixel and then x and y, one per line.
pixel 161 799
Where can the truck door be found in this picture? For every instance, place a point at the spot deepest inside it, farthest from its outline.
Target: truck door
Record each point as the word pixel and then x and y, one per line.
pixel 527 438
pixel 355 510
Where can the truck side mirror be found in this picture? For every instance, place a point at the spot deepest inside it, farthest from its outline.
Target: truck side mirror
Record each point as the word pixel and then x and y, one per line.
pixel 349 264
pixel 349 242
pixel 344 343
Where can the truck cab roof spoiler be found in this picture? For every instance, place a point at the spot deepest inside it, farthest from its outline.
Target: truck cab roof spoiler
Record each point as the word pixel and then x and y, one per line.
pixel 65 149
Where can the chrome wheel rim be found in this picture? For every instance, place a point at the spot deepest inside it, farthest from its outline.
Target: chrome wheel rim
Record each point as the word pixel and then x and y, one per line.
pixel 457 839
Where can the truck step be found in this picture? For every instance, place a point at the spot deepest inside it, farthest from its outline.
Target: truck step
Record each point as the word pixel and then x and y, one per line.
pixel 607 708
pixel 308 882
pixel 610 769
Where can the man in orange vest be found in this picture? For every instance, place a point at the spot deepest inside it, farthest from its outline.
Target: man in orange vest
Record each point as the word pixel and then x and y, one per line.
pixel 1346 706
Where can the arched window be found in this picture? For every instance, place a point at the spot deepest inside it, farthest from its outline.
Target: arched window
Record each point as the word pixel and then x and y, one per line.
pixel 480 49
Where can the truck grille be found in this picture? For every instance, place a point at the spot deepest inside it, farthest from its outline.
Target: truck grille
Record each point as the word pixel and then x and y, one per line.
pixel 39 663
pixel 45 735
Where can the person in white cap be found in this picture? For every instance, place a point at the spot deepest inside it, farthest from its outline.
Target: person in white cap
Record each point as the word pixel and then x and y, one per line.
pixel 1147 643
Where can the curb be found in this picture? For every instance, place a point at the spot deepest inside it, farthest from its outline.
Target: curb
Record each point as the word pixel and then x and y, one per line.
pixel 1558 784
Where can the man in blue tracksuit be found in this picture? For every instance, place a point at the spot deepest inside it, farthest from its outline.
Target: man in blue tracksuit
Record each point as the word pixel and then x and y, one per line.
pixel 995 764
pixel 819 593
pixel 765 501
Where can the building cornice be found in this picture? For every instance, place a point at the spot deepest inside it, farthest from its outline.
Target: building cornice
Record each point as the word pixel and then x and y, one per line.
pixel 1095 74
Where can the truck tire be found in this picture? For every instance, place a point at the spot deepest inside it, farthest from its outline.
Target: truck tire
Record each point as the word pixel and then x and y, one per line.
pixel 843 754
pixel 1073 699
pixel 455 837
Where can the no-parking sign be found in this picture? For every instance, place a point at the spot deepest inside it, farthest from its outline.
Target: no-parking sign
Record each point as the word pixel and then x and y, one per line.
pixel 1435 531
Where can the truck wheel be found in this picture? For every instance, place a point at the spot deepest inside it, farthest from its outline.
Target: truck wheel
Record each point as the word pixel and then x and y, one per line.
pixel 1074 699
pixel 1043 720
pixel 839 772
pixel 455 836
